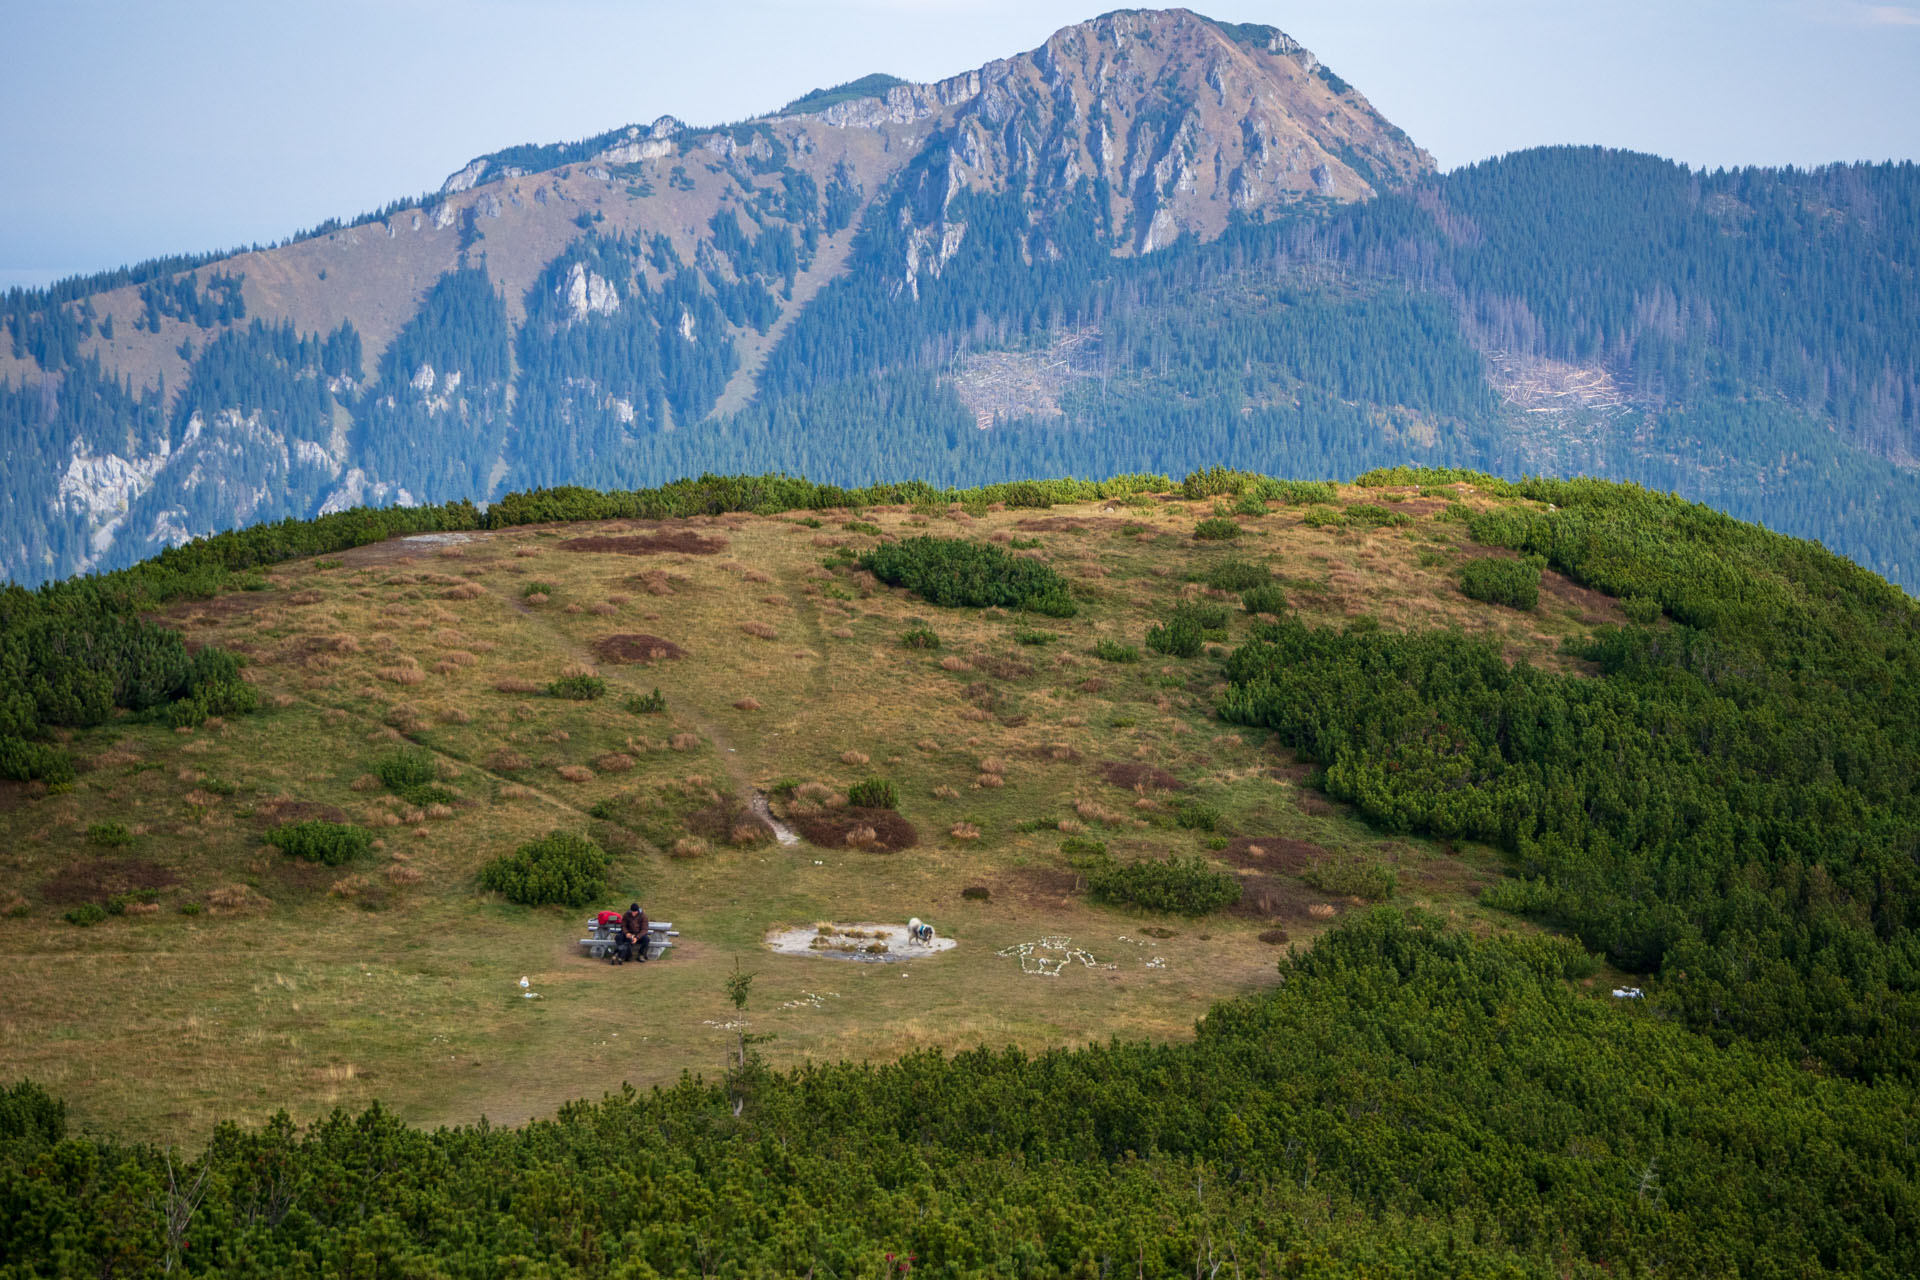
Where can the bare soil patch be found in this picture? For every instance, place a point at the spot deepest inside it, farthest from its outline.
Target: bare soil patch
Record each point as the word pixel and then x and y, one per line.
pixel 632 647
pixel 1273 853
pixel 891 832
pixel 101 878
pixel 1132 774
pixel 684 542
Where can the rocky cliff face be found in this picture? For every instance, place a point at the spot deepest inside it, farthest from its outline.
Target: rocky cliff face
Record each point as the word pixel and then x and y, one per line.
pixel 1170 122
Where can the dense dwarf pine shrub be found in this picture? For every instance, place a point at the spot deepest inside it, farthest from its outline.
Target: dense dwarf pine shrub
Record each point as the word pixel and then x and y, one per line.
pixel 1185 886
pixel 578 688
pixel 1189 626
pixel 1726 801
pixel 559 869
pixel 1216 529
pixel 1238 575
pixel 412 773
pixel 920 638
pixel 956 573
pixel 873 793
pixel 109 835
pixel 1114 651
pixel 1513 583
pixel 332 843
pixel 647 704
pixel 1268 599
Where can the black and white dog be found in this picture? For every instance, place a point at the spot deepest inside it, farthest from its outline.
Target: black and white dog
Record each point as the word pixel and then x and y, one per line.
pixel 920 931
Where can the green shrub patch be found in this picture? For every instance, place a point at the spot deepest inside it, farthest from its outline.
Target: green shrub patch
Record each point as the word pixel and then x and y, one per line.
pixel 332 843
pixel 559 869
pixel 1513 583
pixel 1184 886
pixel 957 574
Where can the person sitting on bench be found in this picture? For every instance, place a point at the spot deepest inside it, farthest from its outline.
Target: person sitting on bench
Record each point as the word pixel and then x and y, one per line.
pixel 633 935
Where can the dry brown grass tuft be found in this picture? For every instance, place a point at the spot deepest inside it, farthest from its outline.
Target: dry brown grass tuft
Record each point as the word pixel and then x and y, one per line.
pixel 688 847
pixel 747 704
pixel 439 812
pixel 459 658
pixel 235 899
pixel 841 633
pixel 954 662
pixel 602 608
pixel 991 781
pixel 1071 827
pixel 685 742
pixel 760 629
pixel 575 773
pixel 964 831
pixel 756 575
pixel 992 764
pixel 465 591
pixel 860 837
pixel 572 608
pixel 514 684
pixel 403 675
pixel 524 552
pixel 445 668
pixel 946 793
pixel 538 597
pixel 1321 911
pixel 856 758
pixel 1096 813
pixel 514 791
pixel 399 874
pixel 506 761
pixel 577 670
pixel 927 744
pixel 614 762
pixel 455 715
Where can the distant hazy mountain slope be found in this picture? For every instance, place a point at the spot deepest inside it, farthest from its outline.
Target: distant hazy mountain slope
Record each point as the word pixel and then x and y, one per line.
pixel 1154 242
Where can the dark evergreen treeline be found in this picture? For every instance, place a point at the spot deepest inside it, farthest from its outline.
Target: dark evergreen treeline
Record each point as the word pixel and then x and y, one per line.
pixel 1409 1101
pixel 1730 803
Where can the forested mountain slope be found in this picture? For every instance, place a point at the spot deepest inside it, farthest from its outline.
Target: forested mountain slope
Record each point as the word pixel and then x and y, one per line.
pixel 1154 242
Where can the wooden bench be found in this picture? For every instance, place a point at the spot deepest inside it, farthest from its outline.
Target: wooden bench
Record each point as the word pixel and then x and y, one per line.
pixel 599 942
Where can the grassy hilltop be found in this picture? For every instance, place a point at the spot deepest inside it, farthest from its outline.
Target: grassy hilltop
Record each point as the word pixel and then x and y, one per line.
pixel 302 985
pixel 1571 735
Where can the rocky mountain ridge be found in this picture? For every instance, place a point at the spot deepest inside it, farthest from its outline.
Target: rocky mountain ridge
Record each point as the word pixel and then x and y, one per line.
pixel 1158 124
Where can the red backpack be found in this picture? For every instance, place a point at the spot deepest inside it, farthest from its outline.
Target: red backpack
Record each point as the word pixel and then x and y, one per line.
pixel 609 919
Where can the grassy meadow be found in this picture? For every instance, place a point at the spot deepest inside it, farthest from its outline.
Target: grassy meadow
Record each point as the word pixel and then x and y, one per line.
pixel 235 981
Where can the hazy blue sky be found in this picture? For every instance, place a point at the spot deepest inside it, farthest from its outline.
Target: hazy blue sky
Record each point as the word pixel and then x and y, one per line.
pixel 130 128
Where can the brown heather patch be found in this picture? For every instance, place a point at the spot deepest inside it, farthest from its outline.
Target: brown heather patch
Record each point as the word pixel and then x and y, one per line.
pixel 684 542
pixel 829 830
pixel 1135 776
pixel 636 647
pixel 101 878
pixel 235 899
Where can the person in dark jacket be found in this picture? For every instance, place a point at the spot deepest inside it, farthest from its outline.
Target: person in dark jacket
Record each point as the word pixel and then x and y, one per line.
pixel 633 934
